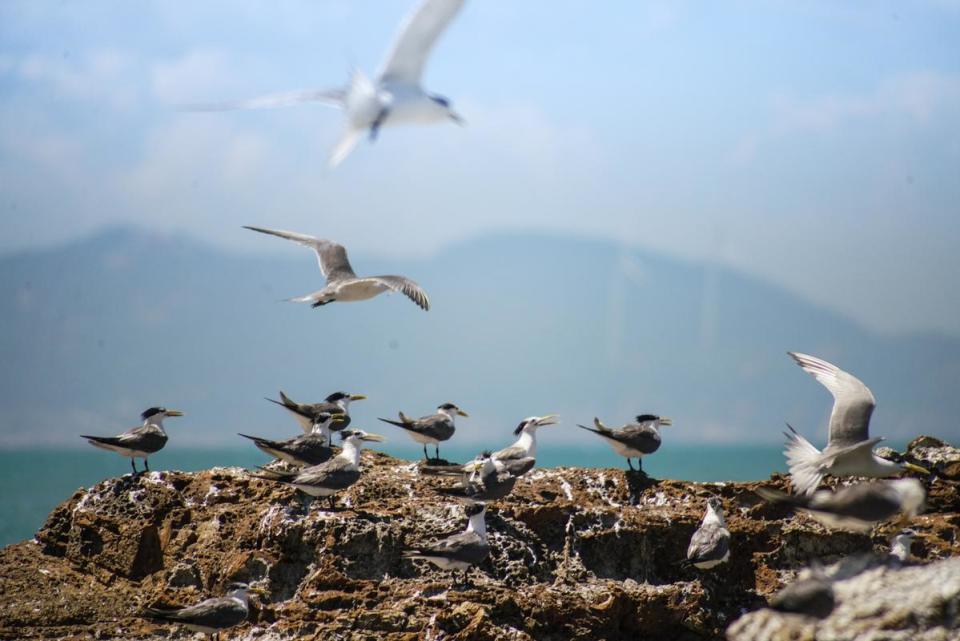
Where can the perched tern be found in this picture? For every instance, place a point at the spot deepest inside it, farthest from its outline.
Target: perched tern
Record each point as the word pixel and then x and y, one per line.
pixel 856 508
pixel 430 429
pixel 306 449
pixel 336 475
pixel 849 450
pixel 395 96
pixel 139 442
pixel 460 551
pixel 710 544
pixel 342 283
pixel 213 615
pixel 635 439
pixel 811 595
pixel 307 413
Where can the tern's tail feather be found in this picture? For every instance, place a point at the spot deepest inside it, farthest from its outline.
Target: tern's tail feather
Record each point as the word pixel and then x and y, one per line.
pixel 308 298
pixel 348 140
pixel 804 461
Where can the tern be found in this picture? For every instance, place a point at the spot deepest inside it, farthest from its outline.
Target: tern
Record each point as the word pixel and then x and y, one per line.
pixel 343 284
pixel 430 429
pixel 139 442
pixel 900 546
pixel 710 544
pixel 485 483
pixel 460 551
pixel 213 615
pixel 514 458
pixel 306 449
pixel 336 475
pixel 633 439
pixel 395 96
pixel 307 413
pixel 849 450
pixel 856 508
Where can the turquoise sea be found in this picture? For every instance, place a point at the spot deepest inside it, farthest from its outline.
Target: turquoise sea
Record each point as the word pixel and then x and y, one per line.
pixel 33 482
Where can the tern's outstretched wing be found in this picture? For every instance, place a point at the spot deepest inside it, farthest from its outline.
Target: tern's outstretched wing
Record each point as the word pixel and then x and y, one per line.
pixel 406 287
pixel 331 256
pixel 853 402
pixel 419 31
pixel 329 97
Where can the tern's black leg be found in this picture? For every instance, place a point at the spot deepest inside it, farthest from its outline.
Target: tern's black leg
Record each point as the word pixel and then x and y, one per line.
pixel 320 303
pixel 629 463
pixel 133 465
pixel 426 456
pixel 333 502
pixel 438 451
pixel 375 127
pixel 640 466
pixel 146 465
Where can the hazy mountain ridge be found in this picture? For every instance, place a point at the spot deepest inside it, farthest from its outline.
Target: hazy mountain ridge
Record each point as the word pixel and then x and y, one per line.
pixel 521 324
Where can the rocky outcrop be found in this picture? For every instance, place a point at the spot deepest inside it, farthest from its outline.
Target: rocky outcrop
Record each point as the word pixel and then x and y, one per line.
pixel 576 554
pixel 876 601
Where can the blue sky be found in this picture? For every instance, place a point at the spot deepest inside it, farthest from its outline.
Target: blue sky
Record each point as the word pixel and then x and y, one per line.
pixel 812 144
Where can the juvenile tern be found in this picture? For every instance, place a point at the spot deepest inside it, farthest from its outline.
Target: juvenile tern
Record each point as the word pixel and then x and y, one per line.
pixel 342 283
pixel 901 544
pixel 460 551
pixel 485 483
pixel 213 615
pixel 394 97
pixel 849 450
pixel 336 475
pixel 710 544
pixel 139 442
pixel 859 507
pixel 306 449
pixel 430 429
pixel 307 413
pixel 635 439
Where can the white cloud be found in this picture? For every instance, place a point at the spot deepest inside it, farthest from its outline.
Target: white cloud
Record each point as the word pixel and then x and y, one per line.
pixel 104 76
pixel 198 76
pixel 914 97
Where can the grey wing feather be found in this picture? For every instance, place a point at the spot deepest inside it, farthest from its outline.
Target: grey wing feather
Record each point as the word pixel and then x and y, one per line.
pixel 418 33
pixel 406 287
pixel 853 402
pixel 335 474
pixel 709 543
pixel 213 613
pixel 639 436
pixel 331 256
pixel 865 501
pixel 144 439
pixel 330 97
pixel 519 466
pixel 436 426
pixel 466 546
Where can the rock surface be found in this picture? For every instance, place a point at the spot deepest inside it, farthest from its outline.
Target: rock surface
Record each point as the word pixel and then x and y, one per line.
pixel 576 554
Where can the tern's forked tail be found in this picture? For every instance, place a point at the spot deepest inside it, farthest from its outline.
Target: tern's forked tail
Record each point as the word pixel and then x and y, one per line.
pixel 804 461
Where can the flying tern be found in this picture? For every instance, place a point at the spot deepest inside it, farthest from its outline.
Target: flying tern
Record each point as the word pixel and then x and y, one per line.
pixel 395 96
pixel 849 450
pixel 343 284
